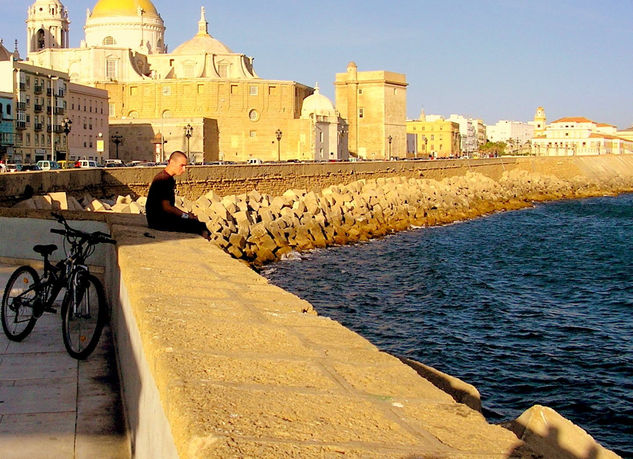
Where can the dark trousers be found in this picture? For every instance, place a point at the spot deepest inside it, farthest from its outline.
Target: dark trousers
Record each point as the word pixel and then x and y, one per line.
pixel 179 225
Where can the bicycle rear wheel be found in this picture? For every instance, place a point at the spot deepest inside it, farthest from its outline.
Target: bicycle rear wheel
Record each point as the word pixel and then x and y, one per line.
pixel 83 315
pixel 17 303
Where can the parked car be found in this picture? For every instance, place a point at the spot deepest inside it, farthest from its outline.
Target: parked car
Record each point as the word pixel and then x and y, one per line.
pixel 113 163
pixel 30 167
pixel 46 165
pixel 254 161
pixel 65 164
pixel 83 163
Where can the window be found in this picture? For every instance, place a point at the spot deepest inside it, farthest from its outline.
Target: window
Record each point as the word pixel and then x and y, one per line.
pixel 360 91
pixel 321 136
pixel 252 90
pixel 166 90
pixel 133 92
pixel 200 88
pixel 112 68
pixel 111 107
pixel 223 70
pixel 234 89
pixel 272 90
pixel 253 115
pixel 253 133
pixel 361 112
pixel 109 41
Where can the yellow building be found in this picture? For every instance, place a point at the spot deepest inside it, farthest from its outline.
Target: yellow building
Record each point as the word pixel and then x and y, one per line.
pixel 374 106
pixel 434 139
pixel 573 136
pixel 201 79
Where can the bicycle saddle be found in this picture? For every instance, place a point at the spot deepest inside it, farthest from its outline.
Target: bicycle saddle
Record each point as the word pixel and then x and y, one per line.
pixel 45 250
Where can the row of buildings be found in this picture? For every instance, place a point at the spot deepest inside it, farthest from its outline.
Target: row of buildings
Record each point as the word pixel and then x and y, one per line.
pixel 122 94
pixel 437 137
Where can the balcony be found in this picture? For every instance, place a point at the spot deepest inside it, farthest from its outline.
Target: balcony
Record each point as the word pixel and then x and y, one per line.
pixel 60 93
pixel 21 106
pixel 59 110
pixel 37 127
pixel 22 86
pixel 38 89
pixel 57 129
pixel 6 139
pixel 37 108
pixel 21 125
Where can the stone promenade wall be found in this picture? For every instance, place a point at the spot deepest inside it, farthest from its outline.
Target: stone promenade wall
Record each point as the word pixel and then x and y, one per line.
pixel 272 179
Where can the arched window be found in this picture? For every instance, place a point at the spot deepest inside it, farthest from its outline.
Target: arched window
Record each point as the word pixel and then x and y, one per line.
pixel 167 114
pixel 41 42
pixel 133 114
pixel 109 41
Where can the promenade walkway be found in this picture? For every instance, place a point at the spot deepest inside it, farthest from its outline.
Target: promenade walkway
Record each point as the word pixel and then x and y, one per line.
pixel 52 405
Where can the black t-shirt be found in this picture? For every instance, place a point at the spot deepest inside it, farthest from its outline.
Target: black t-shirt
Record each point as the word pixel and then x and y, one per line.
pixel 162 189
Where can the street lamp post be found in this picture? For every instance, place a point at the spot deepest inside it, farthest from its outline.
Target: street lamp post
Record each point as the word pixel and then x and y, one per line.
pixel 278 134
pixel 390 138
pixel 188 133
pixel 53 78
pixel 117 139
pixel 66 125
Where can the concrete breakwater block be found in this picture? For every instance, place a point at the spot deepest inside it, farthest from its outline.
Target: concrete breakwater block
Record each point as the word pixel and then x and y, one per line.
pixel 261 228
pixel 548 433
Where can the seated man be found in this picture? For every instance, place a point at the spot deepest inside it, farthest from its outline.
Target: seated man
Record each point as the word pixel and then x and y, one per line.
pixel 160 210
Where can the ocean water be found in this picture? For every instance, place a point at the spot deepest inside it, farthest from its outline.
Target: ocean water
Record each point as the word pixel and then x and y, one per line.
pixel 532 307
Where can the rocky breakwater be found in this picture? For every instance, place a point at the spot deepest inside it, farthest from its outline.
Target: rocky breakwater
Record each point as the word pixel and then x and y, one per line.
pixel 261 228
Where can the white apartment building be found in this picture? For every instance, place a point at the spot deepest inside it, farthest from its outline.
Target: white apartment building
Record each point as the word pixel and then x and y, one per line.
pixel 580 136
pixel 517 131
pixel 473 132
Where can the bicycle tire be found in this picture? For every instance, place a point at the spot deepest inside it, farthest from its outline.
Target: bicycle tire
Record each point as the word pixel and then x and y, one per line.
pixel 81 330
pixel 11 317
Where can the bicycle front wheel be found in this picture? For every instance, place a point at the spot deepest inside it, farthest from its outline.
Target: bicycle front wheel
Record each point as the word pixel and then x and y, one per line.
pixel 83 315
pixel 18 299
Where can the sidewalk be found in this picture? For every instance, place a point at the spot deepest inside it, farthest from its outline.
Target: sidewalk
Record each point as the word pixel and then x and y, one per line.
pixel 52 405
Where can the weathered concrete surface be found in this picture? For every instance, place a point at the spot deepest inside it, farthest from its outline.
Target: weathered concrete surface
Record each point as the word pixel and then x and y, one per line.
pixel 551 435
pixel 247 369
pixel 52 405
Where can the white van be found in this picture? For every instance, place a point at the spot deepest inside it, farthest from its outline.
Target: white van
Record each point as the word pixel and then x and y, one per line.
pixel 85 163
pixel 254 161
pixel 48 165
pixel 113 163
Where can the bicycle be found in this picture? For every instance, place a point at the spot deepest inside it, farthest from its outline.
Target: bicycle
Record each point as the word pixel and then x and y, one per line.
pixel 84 309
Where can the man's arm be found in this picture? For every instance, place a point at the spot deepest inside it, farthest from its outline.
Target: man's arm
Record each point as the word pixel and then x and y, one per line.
pixel 175 211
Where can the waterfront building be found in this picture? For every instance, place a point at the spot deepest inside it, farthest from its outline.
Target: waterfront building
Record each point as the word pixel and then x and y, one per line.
pixel 472 131
pixel 87 109
pixel 572 136
pixel 373 104
pixel 434 137
pixel 626 133
pixel 6 125
pixel 517 131
pixel 39 97
pixel 124 53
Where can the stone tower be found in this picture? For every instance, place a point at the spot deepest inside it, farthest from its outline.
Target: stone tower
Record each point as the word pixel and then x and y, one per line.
pixel 539 122
pixel 46 25
pixel 374 106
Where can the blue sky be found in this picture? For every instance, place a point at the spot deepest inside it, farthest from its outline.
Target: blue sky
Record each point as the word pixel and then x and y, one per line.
pixel 490 59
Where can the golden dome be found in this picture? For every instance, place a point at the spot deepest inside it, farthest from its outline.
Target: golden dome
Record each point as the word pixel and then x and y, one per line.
pixel 110 8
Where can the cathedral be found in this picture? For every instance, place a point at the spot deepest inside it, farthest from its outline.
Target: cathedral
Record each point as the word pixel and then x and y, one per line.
pixel 201 97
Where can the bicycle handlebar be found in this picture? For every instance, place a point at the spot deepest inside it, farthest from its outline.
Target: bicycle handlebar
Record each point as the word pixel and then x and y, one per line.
pixel 93 238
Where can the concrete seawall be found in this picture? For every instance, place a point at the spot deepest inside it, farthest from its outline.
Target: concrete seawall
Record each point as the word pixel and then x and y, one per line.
pixel 274 179
pixel 220 363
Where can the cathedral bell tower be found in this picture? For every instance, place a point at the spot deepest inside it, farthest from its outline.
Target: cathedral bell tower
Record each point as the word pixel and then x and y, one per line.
pixel 47 26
